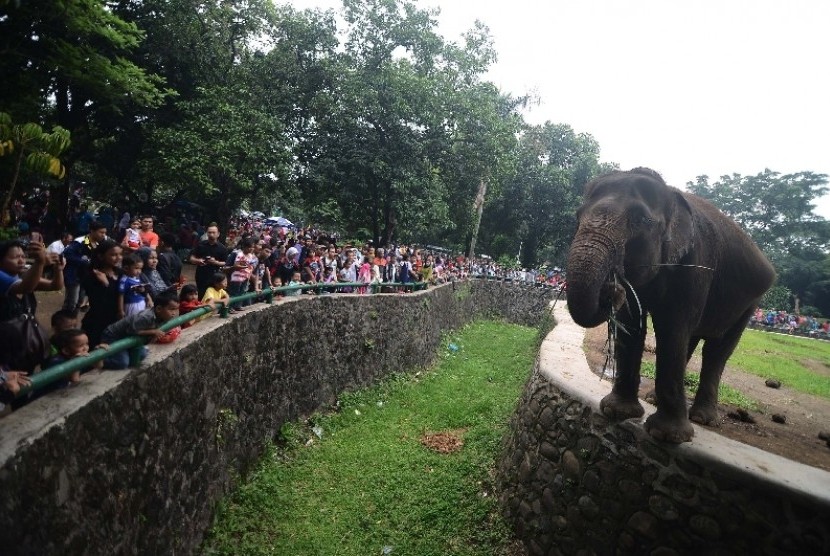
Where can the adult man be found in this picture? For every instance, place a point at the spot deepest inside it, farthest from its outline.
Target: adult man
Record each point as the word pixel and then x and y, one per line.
pixel 170 265
pixel 148 238
pixel 307 250
pixel 209 257
pixel 59 245
pixel 78 254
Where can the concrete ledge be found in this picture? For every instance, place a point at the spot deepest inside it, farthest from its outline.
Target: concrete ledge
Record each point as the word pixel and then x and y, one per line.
pixel 586 483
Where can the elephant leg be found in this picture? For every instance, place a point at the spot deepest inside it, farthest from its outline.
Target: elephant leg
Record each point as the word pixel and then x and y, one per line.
pixel 716 351
pixel 622 403
pixel 692 347
pixel 651 395
pixel 670 422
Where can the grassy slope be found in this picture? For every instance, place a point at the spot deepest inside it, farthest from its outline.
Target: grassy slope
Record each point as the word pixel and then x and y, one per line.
pixel 369 486
pixel 783 358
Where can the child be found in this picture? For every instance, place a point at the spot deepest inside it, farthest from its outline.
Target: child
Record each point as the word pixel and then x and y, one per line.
pixel 132 293
pixel 295 281
pixel 150 275
pixel 405 270
pixel 216 292
pixel 64 319
pixel 132 238
pixel 71 343
pixel 243 267
pixel 189 301
pixel 144 323
pixel 364 274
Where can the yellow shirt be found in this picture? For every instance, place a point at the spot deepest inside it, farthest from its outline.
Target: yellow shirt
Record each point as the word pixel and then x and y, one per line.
pixel 214 294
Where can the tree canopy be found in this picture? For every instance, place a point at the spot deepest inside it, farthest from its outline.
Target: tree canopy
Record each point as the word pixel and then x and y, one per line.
pixel 777 211
pixel 370 123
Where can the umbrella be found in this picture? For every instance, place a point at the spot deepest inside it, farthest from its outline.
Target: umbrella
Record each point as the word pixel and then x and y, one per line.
pixel 279 221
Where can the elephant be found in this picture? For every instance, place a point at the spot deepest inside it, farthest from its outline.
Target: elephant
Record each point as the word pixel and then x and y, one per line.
pixel 644 248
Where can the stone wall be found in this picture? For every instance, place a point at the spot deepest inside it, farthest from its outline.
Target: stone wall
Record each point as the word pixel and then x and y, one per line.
pixel 134 462
pixel 571 482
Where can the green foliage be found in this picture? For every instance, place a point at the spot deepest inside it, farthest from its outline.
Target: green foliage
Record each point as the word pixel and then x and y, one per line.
pixel 777 211
pixel 506 261
pixel 368 123
pixel 360 480
pixel 72 49
pixel 25 149
pixel 8 233
pixel 537 206
pixel 779 298
pixel 809 310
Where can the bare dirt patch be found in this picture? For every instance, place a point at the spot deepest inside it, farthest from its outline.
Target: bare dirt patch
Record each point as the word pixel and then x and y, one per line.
pixel 816 367
pixel 805 416
pixel 445 442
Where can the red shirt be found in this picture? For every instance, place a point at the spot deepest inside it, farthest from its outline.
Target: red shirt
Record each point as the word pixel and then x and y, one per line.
pixel 149 238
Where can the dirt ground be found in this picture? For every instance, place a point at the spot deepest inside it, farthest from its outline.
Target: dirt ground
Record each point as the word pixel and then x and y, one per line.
pixel 805 416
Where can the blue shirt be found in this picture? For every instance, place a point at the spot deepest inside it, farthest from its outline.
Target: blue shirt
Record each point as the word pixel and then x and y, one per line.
pixel 6 282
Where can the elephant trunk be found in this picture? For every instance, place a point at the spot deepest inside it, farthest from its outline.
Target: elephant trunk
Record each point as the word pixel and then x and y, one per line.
pixel 592 291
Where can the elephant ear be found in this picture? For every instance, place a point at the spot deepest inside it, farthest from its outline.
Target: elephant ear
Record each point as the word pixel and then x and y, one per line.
pixel 679 237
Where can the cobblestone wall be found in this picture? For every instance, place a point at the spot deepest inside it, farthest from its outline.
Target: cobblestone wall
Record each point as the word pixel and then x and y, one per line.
pixel 134 462
pixel 574 483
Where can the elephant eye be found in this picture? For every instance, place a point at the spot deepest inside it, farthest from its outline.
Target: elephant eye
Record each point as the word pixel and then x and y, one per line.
pixel 644 221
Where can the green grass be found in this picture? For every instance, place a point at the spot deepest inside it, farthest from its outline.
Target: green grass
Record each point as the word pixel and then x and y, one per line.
pixel 726 394
pixel 802 364
pixel 785 358
pixel 369 486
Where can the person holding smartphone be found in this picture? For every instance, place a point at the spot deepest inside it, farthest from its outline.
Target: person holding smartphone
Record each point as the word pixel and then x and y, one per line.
pixel 19 281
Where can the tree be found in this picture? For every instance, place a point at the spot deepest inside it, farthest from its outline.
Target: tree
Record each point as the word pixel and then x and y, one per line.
pixel 423 130
pixel 68 63
pixel 26 148
pixel 222 152
pixel 536 208
pixel 777 211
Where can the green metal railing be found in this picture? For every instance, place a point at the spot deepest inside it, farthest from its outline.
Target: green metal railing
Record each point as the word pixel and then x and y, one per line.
pixel 514 281
pixel 135 343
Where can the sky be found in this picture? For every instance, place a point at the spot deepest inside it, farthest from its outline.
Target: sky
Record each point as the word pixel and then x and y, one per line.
pixel 708 87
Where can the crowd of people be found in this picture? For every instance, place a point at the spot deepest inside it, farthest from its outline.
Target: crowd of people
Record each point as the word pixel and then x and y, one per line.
pixel 790 323
pixel 122 279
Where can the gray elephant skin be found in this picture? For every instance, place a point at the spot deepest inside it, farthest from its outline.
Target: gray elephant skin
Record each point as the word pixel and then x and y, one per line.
pixel 644 248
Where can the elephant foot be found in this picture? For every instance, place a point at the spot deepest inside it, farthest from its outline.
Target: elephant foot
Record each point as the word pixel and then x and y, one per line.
pixel 704 414
pixel 667 429
pixel 617 408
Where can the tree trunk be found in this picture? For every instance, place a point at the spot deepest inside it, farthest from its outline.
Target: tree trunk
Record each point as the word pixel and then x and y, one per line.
pixel 7 200
pixel 478 206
